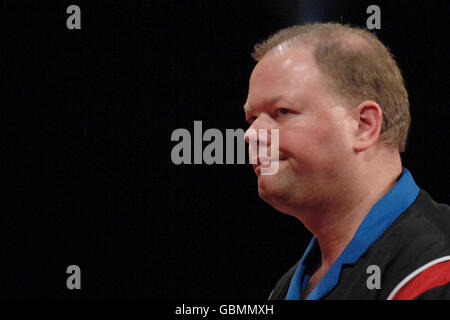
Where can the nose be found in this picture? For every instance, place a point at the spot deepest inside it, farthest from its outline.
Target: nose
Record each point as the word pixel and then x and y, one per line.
pixel 262 124
pixel 259 130
pixel 259 137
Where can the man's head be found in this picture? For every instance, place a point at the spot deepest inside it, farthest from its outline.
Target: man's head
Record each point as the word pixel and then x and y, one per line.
pixel 338 100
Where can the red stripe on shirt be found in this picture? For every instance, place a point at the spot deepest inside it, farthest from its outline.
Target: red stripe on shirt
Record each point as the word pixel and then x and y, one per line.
pixel 432 277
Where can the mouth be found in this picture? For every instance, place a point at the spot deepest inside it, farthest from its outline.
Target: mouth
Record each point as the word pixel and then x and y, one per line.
pixel 266 163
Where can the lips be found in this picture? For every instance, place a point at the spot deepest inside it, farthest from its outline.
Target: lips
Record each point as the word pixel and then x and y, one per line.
pixel 266 163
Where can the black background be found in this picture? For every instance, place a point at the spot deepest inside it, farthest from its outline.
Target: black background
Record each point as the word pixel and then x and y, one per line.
pixel 88 115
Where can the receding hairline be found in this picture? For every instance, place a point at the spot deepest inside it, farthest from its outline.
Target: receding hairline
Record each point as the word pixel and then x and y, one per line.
pixel 311 37
pixel 350 37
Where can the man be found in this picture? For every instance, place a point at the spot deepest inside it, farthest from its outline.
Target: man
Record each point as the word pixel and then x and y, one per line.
pixel 338 100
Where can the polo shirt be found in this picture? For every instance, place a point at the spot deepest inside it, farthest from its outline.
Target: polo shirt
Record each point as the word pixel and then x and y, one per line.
pixel 405 235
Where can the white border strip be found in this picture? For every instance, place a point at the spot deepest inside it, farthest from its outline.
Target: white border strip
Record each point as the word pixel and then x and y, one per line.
pixel 415 273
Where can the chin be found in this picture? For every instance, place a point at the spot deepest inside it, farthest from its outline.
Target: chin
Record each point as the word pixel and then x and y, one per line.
pixel 273 194
pixel 281 194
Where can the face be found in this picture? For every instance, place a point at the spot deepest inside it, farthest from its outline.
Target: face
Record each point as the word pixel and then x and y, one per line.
pixel 289 93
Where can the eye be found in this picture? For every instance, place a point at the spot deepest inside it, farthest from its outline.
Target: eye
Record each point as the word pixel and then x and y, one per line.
pixel 283 111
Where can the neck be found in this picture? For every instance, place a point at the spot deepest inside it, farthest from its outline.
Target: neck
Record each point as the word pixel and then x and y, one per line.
pixel 336 225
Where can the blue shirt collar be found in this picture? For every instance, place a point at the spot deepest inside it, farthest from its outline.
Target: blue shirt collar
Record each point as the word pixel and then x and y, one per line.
pixel 379 218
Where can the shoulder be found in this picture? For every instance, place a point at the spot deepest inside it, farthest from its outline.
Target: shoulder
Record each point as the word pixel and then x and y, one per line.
pixel 413 253
pixel 424 226
pixel 415 250
pixel 282 286
pixel 431 212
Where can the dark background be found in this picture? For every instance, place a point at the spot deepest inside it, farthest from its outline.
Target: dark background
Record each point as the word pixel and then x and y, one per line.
pixel 86 126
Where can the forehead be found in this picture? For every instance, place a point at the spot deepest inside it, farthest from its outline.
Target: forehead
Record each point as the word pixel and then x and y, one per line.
pixel 290 74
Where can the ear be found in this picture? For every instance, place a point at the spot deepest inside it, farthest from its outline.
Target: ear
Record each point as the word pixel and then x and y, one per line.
pixel 369 118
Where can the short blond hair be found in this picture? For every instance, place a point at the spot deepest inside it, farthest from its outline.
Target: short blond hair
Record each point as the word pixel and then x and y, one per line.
pixel 358 66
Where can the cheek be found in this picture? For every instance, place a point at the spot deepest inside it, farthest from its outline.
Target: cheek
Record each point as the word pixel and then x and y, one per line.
pixel 300 140
pixel 311 147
